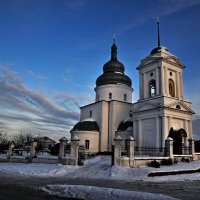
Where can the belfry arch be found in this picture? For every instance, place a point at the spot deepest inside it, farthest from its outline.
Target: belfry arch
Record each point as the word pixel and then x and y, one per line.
pixel 152 88
pixel 171 88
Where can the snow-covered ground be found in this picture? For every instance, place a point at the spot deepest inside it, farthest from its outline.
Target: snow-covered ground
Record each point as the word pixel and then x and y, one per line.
pixel 97 193
pixel 100 168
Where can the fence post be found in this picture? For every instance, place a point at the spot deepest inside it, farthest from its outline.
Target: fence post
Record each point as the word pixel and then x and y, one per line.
pixel 10 150
pixel 63 141
pixel 117 150
pixel 130 150
pixel 191 148
pixel 32 150
pixel 74 146
pixel 169 147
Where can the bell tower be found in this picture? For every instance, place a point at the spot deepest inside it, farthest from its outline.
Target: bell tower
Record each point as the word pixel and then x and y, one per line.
pixel 161 106
pixel 160 74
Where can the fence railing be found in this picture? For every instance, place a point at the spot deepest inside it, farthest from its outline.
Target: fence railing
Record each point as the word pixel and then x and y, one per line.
pixel 185 151
pixel 149 151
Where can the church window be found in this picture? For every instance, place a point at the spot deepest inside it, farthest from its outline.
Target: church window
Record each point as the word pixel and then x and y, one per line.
pixel 151 74
pixel 152 88
pixel 90 113
pixel 171 88
pixel 131 113
pixel 125 97
pixel 98 97
pixel 170 73
pixel 87 144
pixel 110 95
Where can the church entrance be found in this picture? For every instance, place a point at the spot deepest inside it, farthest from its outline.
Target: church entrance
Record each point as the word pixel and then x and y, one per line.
pixel 178 137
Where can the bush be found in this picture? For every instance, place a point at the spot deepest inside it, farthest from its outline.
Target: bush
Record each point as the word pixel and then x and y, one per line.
pixel 167 162
pixel 187 160
pixel 154 164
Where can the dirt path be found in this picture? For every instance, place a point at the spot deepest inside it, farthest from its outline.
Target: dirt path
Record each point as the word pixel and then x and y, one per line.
pixel 20 188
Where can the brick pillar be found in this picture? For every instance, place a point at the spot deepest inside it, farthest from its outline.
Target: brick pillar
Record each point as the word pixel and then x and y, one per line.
pixel 63 142
pixel 10 149
pixel 117 150
pixel 169 147
pixel 192 148
pixel 130 150
pixel 74 146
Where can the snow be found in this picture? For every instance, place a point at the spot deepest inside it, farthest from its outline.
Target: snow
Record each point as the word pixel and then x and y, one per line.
pixel 48 157
pixel 88 120
pixel 100 168
pixel 97 193
pixel 3 156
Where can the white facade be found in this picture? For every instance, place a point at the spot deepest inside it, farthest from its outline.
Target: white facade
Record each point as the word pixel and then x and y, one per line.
pixel 116 92
pixel 161 105
pixel 160 108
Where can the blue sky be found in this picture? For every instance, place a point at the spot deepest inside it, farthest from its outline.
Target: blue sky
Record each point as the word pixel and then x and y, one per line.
pixel 52 51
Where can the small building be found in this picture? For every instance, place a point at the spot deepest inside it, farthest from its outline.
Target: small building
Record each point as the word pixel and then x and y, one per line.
pixel 46 142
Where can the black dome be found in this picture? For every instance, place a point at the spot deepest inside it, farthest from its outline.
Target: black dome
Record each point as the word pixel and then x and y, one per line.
pixel 86 126
pixel 113 71
pixel 113 78
pixel 158 49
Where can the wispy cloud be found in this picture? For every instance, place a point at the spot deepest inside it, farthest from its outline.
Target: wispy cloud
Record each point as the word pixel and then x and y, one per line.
pixel 24 107
pixel 36 76
pixel 161 8
pixel 74 4
pixel 172 6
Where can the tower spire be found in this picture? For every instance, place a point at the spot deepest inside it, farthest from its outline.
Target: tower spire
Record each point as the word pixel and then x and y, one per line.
pixel 158 27
pixel 114 49
pixel 114 38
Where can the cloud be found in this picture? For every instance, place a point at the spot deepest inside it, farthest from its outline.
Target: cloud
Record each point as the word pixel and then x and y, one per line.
pixel 172 6
pixel 36 76
pixel 24 107
pixel 74 4
pixel 78 101
pixel 161 8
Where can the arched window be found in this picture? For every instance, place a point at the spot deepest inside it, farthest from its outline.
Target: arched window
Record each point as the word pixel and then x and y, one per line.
pixel 90 114
pixel 110 95
pixel 171 88
pixel 178 107
pixel 152 88
pixel 125 97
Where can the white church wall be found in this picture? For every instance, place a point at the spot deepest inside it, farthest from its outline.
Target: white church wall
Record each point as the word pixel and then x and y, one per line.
pixel 118 112
pixel 92 136
pixel 91 111
pixel 149 132
pixel 178 120
pixel 169 101
pixel 117 92
pixel 104 127
pixel 100 115
pixel 147 129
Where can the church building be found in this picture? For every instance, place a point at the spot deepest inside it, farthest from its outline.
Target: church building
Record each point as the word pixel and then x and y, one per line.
pixel 160 112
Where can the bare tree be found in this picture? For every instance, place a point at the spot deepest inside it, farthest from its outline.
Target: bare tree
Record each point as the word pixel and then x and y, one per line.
pixel 3 137
pixel 23 137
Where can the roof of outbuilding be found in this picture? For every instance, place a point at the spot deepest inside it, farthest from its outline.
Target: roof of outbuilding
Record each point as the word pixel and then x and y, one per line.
pixel 86 126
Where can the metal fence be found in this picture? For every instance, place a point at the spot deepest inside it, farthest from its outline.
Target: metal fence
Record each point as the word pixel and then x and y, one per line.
pixel 185 151
pixel 149 151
